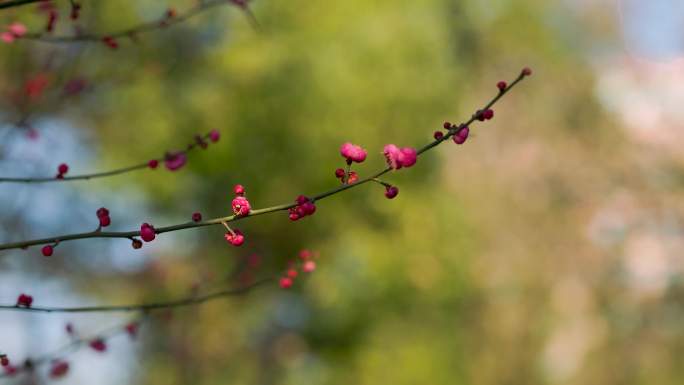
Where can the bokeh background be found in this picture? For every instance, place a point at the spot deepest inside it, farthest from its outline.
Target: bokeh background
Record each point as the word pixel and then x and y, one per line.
pixel 548 250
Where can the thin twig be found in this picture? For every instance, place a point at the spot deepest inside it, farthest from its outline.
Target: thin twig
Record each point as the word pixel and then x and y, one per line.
pixel 144 27
pixel 146 307
pixel 103 174
pixel 30 364
pixel 17 3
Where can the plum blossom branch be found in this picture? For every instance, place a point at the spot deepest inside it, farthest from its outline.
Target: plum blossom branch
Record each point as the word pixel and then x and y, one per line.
pixel 170 18
pixel 60 366
pixel 172 160
pixel 455 131
pixel 98 342
pixel 145 307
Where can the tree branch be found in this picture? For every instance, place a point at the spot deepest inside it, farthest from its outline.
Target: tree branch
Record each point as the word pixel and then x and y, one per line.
pixel 98 174
pixel 147 307
pixel 32 363
pixel 145 27
pixel 17 3
pixel 253 213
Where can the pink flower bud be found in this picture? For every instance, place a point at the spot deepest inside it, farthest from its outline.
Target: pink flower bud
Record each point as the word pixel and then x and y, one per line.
pixel 174 161
pixel 214 136
pixel 47 250
pixel 391 192
pixel 147 232
pixel 241 206
pixel 235 238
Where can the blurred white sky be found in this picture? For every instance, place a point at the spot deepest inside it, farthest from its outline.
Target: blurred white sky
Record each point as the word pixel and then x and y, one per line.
pixel 653 28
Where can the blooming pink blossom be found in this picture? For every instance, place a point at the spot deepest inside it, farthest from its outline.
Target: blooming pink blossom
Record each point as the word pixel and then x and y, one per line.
pixel 241 206
pixel 235 238
pixel 400 157
pixel 353 153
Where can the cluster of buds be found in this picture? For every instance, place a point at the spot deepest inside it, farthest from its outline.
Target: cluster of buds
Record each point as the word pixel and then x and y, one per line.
pixel 175 160
pixel 351 176
pixel 351 153
pixel 306 263
pixel 241 207
pixel 483 115
pixel 305 206
pixel 59 367
pixel 460 133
